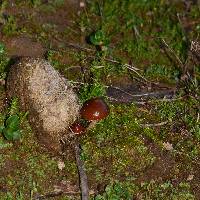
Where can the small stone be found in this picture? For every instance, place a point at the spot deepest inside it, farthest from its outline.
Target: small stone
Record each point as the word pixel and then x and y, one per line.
pixel 82 4
pixel 168 146
pixel 190 177
pixel 49 99
pixel 61 165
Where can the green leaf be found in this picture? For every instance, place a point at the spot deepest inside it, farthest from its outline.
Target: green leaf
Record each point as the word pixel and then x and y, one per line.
pixel 13 122
pixel 2 48
pixel 11 134
pixel 98 38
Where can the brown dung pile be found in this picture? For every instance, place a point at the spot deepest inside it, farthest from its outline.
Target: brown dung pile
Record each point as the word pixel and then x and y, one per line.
pixel 47 96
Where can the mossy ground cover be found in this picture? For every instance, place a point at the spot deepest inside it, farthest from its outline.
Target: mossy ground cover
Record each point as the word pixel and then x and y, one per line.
pixel 148 147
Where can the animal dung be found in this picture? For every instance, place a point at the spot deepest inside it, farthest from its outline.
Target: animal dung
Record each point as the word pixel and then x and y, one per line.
pixel 48 97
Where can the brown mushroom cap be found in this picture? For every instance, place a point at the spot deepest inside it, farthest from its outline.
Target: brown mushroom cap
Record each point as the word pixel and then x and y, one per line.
pixel 77 128
pixel 94 109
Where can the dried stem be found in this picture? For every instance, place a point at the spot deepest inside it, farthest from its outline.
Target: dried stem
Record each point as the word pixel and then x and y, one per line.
pixel 173 53
pixel 130 67
pixel 135 102
pixel 154 125
pixel 82 174
pixel 82 48
pixel 148 94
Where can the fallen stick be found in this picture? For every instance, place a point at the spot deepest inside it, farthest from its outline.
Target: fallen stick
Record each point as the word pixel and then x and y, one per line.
pixel 82 174
pixel 154 125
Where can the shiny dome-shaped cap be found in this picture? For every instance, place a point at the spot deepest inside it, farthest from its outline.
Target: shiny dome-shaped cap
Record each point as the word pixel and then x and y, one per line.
pixel 94 109
pixel 77 128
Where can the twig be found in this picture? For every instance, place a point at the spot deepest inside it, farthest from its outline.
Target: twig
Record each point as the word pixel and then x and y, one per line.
pixel 76 46
pixel 168 100
pixel 173 53
pixel 185 32
pixel 197 121
pixel 82 174
pixel 73 45
pixel 127 65
pixel 135 102
pixel 134 69
pixel 137 34
pixel 147 101
pixel 79 47
pixel 130 67
pixel 154 125
pixel 148 94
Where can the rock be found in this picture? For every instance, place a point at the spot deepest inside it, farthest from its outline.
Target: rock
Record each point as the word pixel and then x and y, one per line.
pixel 47 96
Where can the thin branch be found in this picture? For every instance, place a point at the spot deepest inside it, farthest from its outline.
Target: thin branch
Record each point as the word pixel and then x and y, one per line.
pixel 197 121
pixel 134 69
pixel 76 46
pixel 73 45
pixel 137 34
pixel 82 174
pixel 147 101
pixel 148 94
pixel 154 125
pixel 135 102
pixel 173 53
pixel 168 99
pixel 130 67
pixel 183 29
pixel 127 65
pixel 82 48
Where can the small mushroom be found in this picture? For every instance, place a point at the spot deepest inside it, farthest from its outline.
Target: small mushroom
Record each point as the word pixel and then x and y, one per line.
pixel 94 109
pixel 77 128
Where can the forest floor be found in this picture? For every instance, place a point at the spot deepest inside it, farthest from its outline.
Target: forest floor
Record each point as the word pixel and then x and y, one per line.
pixel 143 57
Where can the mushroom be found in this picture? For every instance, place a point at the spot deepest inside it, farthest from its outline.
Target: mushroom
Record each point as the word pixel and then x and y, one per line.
pixel 77 128
pixel 94 110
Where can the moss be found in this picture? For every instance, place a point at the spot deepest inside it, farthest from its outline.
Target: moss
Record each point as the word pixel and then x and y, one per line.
pixel 152 190
pixel 10 27
pixel 116 143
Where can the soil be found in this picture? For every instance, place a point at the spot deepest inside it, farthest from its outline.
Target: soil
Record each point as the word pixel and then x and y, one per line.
pixel 20 46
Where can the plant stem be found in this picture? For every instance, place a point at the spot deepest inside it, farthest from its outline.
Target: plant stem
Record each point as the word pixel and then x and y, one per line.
pixel 82 174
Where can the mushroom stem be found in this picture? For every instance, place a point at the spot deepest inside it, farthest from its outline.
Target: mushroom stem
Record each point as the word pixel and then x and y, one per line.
pixel 91 125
